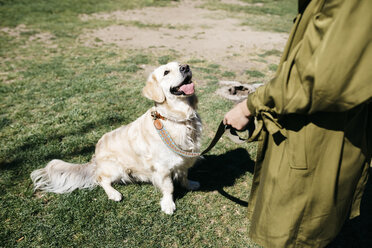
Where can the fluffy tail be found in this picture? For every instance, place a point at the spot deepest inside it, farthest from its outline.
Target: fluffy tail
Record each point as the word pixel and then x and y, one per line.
pixel 61 177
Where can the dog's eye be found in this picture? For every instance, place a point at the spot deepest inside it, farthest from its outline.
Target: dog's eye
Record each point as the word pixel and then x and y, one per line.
pixel 166 72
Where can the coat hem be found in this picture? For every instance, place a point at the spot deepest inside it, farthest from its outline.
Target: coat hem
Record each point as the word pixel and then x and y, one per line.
pixel 296 244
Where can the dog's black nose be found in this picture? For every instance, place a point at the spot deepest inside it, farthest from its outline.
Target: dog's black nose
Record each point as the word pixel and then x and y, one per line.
pixel 184 68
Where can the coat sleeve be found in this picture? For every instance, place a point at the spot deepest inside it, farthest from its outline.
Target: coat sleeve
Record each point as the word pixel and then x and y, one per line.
pixel 330 69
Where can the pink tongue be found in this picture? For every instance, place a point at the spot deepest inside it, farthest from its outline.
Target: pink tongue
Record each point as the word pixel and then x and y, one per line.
pixel 188 89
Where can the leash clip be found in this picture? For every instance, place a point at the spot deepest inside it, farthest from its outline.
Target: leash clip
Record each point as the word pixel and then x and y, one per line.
pixel 153 115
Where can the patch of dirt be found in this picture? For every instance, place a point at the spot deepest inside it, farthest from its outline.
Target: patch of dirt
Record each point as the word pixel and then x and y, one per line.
pixel 237 2
pixel 236 91
pixel 34 35
pixel 21 32
pixel 193 32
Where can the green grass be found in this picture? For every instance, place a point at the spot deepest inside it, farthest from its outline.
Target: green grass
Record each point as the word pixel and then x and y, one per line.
pixel 165 59
pixel 273 67
pixel 272 52
pixel 62 17
pixel 267 15
pixel 139 24
pixel 228 74
pixel 195 61
pixel 57 99
pixel 254 73
pixel 59 107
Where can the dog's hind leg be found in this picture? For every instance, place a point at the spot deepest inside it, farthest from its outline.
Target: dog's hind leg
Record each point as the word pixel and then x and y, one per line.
pixel 107 173
pixel 165 184
pixel 112 193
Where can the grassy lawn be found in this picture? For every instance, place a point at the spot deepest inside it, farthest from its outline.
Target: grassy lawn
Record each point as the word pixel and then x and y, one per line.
pixel 58 97
pixel 269 15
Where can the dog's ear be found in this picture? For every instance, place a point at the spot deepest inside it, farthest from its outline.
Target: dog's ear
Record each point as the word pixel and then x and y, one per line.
pixel 153 91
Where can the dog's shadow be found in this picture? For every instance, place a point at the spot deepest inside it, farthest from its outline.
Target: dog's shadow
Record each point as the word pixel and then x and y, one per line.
pixel 214 172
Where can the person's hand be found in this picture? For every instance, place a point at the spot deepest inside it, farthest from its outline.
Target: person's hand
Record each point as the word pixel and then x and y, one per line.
pixel 238 116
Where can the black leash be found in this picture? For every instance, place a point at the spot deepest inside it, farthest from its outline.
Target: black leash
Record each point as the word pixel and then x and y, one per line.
pixel 230 132
pixel 222 129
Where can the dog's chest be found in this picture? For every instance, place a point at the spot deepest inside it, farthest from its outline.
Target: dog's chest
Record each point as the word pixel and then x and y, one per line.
pixel 185 134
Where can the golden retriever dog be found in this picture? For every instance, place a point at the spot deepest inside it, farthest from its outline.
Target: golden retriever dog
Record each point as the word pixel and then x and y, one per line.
pixel 136 152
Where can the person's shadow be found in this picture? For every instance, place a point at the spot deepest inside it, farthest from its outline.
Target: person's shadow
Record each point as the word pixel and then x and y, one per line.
pixel 214 172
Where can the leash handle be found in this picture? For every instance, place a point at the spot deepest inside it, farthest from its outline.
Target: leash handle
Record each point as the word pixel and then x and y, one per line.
pixel 233 135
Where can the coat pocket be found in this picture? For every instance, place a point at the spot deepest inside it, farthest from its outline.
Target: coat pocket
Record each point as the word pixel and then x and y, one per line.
pixel 296 143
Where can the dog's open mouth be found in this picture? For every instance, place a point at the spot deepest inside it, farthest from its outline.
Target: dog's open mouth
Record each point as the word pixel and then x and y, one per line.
pixel 185 88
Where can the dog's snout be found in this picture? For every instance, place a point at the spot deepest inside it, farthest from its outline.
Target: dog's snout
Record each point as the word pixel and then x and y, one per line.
pixel 184 68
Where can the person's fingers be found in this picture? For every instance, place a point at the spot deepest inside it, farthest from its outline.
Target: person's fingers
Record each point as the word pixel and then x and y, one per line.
pixel 237 117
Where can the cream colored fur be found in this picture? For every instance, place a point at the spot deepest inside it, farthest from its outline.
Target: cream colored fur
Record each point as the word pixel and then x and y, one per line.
pixel 135 152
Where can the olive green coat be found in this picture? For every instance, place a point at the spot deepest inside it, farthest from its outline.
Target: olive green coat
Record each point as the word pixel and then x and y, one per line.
pixel 314 122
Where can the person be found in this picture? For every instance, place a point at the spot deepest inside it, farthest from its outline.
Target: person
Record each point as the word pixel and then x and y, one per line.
pixel 313 127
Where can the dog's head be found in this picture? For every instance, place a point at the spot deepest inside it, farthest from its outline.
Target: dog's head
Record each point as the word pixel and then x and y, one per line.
pixel 168 82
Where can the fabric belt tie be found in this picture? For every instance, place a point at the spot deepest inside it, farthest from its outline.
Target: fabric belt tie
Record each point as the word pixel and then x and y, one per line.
pixel 271 124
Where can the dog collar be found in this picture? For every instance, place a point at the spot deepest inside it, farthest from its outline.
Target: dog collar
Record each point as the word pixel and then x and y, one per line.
pixel 167 139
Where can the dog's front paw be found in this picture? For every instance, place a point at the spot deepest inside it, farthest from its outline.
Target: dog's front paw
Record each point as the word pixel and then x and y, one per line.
pixel 167 205
pixel 115 196
pixel 193 185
